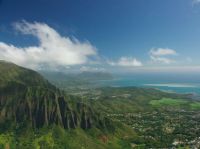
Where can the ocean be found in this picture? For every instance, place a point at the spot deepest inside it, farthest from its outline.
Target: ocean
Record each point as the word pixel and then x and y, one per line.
pixel 179 83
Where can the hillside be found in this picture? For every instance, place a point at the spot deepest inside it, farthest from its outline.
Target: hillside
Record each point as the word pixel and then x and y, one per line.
pixel 30 104
pixel 36 114
pixel 11 73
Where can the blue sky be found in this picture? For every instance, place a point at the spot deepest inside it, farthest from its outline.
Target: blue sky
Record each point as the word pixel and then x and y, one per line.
pixel 114 34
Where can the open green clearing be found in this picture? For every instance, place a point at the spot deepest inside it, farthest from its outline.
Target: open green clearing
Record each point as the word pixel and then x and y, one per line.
pixel 167 102
pixel 175 102
pixel 195 106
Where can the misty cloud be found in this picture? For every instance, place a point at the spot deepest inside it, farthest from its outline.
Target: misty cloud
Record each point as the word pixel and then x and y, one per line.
pixel 161 55
pixel 126 62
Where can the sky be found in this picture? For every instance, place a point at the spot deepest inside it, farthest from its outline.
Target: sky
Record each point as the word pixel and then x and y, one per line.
pixel 101 35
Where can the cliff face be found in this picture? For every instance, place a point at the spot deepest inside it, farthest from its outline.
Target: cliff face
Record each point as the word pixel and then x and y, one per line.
pixel 27 98
pixel 40 107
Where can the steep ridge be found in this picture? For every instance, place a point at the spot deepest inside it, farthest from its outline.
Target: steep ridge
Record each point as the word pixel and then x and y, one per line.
pixel 26 98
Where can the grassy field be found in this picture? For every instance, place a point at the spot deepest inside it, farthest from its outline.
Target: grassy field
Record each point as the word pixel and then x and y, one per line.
pixel 175 103
pixel 167 102
pixel 195 106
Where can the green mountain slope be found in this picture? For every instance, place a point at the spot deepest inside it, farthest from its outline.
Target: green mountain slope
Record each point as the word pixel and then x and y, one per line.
pixel 35 114
pixel 11 73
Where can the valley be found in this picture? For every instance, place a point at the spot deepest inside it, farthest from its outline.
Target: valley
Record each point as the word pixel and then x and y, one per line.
pixel 160 119
pixel 36 114
pixel 99 74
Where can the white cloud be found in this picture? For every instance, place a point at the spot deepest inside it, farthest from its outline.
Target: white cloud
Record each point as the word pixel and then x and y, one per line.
pixel 161 55
pixel 92 69
pixel 162 52
pixel 126 62
pixel 53 49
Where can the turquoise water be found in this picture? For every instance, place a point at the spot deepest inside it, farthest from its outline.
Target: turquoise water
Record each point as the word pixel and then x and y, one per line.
pixel 171 83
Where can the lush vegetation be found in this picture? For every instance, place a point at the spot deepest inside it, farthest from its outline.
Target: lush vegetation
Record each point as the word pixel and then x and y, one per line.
pixel 36 114
pixel 167 102
pixel 195 105
pixel 160 120
pixel 59 138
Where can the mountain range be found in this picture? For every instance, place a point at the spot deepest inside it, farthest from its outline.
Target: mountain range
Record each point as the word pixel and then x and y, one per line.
pixel 29 103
